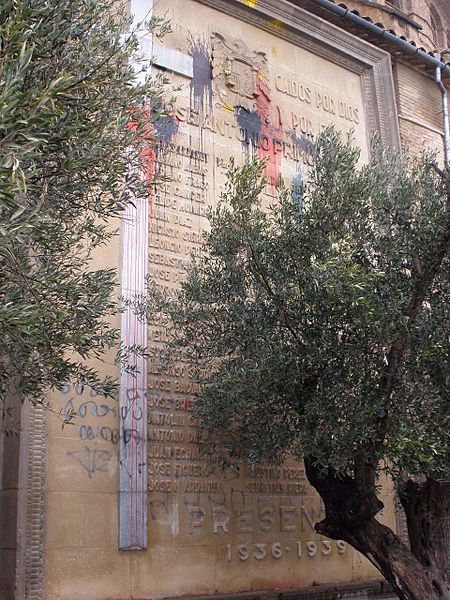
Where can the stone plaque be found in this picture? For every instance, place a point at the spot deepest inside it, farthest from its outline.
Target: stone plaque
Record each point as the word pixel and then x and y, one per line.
pixel 266 78
pixel 251 93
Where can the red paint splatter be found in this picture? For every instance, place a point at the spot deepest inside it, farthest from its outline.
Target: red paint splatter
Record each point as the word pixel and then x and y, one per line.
pixel 141 123
pixel 271 145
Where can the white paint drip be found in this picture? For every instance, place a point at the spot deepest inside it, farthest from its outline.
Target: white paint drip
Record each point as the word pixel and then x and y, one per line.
pixel 133 387
pixel 175 520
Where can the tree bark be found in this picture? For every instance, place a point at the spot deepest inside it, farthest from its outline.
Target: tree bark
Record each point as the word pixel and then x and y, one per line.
pixel 351 507
pixel 427 510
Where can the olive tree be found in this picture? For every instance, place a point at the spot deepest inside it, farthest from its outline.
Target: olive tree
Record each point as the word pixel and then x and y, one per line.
pixel 74 124
pixel 319 327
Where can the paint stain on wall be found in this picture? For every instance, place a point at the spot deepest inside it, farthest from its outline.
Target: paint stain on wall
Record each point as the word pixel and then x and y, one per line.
pixel 250 123
pixel 201 82
pixel 144 127
pixel 303 144
pixel 276 24
pixel 271 145
pixel 259 133
pixel 165 127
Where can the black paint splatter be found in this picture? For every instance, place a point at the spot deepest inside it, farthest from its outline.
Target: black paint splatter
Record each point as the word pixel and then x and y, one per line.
pixel 303 143
pixel 250 123
pixel 166 127
pixel 201 83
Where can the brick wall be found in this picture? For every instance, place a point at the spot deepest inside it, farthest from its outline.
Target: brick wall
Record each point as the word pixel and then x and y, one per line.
pixel 419 110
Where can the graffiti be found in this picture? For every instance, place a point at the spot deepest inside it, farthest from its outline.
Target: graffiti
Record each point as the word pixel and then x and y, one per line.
pixel 89 408
pixel 125 470
pixel 92 460
pixel 131 435
pixel 133 412
pixel 107 434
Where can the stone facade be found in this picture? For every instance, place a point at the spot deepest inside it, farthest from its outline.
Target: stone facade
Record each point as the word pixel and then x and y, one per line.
pixel 254 77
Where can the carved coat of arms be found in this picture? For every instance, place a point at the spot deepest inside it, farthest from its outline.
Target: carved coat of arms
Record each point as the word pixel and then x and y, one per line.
pixel 236 70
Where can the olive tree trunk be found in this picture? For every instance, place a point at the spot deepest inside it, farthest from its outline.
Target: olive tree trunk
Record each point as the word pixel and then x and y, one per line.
pixel 420 572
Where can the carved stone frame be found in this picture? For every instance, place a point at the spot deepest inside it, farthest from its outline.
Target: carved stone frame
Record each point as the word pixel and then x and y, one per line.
pixel 335 45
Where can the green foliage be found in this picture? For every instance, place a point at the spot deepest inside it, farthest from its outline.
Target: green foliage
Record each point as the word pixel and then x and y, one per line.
pixel 69 163
pixel 290 317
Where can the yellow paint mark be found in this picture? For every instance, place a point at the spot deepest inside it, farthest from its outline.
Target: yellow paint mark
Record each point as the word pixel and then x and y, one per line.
pixel 262 76
pixel 250 3
pixel 274 51
pixel 228 107
pixel 276 24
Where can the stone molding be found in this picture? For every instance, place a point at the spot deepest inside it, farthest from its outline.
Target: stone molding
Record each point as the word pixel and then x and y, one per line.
pixel 302 28
pixel 32 507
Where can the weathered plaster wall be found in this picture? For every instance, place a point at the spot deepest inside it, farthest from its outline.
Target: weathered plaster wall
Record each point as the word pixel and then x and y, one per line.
pixel 419 109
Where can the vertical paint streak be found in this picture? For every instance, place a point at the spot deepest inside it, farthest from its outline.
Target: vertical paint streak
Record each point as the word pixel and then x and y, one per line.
pixel 150 177
pixel 133 385
pixel 175 521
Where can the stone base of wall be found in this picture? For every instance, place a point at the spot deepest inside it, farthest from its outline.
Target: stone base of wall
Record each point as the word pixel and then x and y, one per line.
pixel 367 590
pixel 373 590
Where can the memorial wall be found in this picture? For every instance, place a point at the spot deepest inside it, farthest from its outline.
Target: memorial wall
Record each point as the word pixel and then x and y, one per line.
pixel 251 80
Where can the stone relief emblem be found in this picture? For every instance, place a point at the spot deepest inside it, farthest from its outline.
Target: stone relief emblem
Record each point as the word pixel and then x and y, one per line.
pixel 236 71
